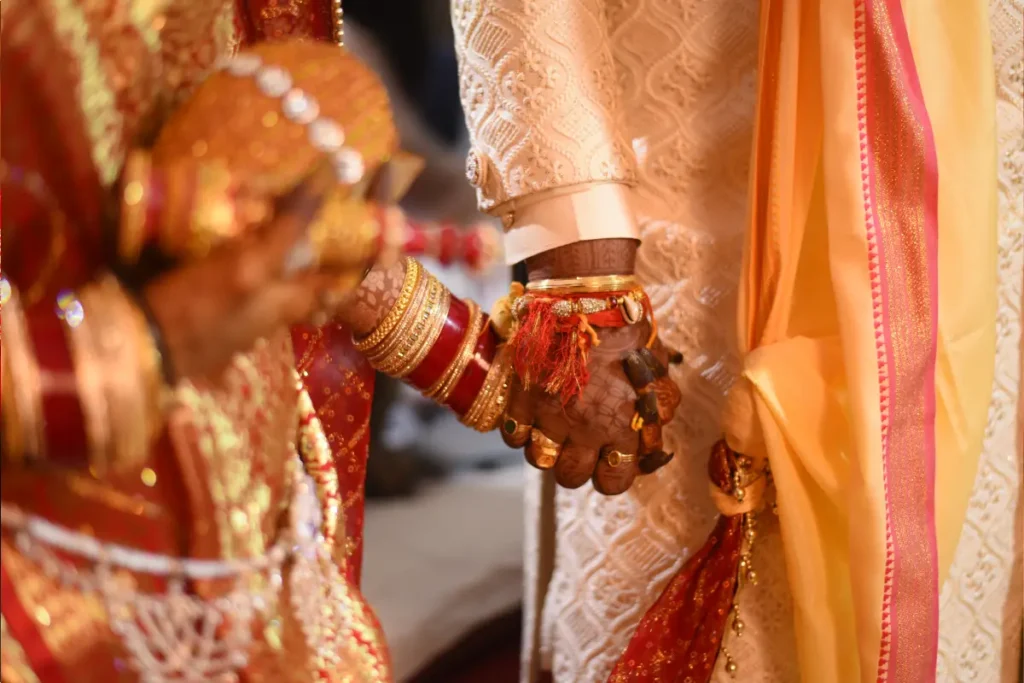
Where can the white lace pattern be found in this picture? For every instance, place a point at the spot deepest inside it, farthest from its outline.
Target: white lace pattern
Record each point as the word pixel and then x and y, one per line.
pixel 981 602
pixel 685 94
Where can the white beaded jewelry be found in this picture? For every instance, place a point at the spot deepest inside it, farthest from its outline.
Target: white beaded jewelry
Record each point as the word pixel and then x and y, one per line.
pixel 177 636
pixel 300 107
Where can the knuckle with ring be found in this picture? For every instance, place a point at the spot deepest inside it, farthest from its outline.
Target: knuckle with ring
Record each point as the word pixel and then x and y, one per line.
pixel 618 458
pixel 543 450
pixel 515 432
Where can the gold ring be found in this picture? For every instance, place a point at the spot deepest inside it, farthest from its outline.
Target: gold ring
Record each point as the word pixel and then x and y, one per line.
pixel 514 433
pixel 544 451
pixel 618 458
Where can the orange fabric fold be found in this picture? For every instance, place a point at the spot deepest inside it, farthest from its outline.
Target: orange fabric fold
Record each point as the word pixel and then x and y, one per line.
pixel 866 318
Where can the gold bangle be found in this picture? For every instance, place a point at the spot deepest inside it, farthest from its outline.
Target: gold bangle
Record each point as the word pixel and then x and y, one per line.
pixel 388 344
pixel 21 389
pixel 134 205
pixel 435 318
pixel 131 402
pixel 490 404
pixel 413 271
pixel 583 285
pixel 411 340
pixel 91 384
pixel 446 383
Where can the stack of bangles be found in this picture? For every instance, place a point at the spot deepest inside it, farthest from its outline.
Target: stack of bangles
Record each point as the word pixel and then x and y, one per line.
pixel 550 327
pixel 444 347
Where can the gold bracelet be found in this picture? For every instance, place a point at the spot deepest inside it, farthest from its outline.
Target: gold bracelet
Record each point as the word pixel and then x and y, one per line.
pixel 413 343
pixel 446 383
pixel 91 385
pixel 390 343
pixel 413 271
pixel 584 285
pixel 114 336
pixel 436 319
pixel 21 389
pixel 490 404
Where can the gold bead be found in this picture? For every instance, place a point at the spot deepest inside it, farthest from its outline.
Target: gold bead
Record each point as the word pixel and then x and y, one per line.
pixel 731 668
pixel 740 494
pixel 738 626
pixel 752 577
pixel 148 477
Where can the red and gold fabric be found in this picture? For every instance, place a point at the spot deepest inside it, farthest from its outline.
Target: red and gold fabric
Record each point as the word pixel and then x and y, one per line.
pixel 83 82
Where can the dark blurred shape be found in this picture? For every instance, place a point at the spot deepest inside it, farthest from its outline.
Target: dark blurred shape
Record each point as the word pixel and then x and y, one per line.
pixel 416 39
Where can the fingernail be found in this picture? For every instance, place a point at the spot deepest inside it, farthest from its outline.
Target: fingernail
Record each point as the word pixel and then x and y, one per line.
pixel 636 369
pixel 652 362
pixel 654 461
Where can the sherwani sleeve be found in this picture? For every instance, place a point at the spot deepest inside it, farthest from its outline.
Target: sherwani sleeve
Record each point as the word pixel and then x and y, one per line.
pixel 550 154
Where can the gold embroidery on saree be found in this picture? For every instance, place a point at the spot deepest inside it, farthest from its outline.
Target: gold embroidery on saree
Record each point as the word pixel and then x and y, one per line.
pixel 14 666
pixel 104 122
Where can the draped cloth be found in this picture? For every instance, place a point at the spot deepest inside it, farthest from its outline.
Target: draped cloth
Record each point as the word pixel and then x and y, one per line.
pixel 867 317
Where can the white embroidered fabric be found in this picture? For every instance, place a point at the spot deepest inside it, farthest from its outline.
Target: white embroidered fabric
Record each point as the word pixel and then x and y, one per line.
pixel 981 602
pixel 685 89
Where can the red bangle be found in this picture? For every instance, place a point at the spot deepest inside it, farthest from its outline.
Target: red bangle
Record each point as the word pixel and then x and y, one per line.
pixel 444 350
pixel 454 369
pixel 64 436
pixel 462 397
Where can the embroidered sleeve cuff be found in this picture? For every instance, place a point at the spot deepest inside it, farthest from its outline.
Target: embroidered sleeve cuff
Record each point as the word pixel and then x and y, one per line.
pixel 592 213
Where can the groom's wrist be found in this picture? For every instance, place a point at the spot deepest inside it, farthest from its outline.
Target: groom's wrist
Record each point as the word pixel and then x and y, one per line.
pixel 588 258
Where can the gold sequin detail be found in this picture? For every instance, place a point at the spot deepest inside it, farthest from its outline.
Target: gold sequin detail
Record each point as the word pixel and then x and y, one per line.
pixel 69 622
pixel 96 97
pixel 319 461
pixel 245 429
pixel 14 666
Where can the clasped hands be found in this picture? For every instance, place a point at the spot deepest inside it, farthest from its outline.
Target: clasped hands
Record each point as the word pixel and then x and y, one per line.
pixel 611 433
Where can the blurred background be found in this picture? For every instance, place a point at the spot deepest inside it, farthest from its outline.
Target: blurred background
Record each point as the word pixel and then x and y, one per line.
pixel 444 513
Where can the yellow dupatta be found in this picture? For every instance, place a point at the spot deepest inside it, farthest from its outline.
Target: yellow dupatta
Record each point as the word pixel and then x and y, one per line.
pixel 867 314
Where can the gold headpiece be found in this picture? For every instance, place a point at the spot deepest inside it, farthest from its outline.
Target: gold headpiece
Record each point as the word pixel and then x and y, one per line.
pixel 269 115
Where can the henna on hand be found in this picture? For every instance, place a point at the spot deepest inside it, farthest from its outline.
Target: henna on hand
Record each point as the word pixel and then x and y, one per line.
pixel 600 418
pixel 363 309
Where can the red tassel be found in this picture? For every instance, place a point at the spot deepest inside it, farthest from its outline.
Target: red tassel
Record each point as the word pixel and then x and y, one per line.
pixel 551 351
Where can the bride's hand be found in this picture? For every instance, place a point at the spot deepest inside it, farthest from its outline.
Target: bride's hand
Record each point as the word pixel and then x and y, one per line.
pixel 209 310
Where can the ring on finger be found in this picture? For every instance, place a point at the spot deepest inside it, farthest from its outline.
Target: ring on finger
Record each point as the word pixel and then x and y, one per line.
pixel 543 450
pixel 618 458
pixel 514 432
